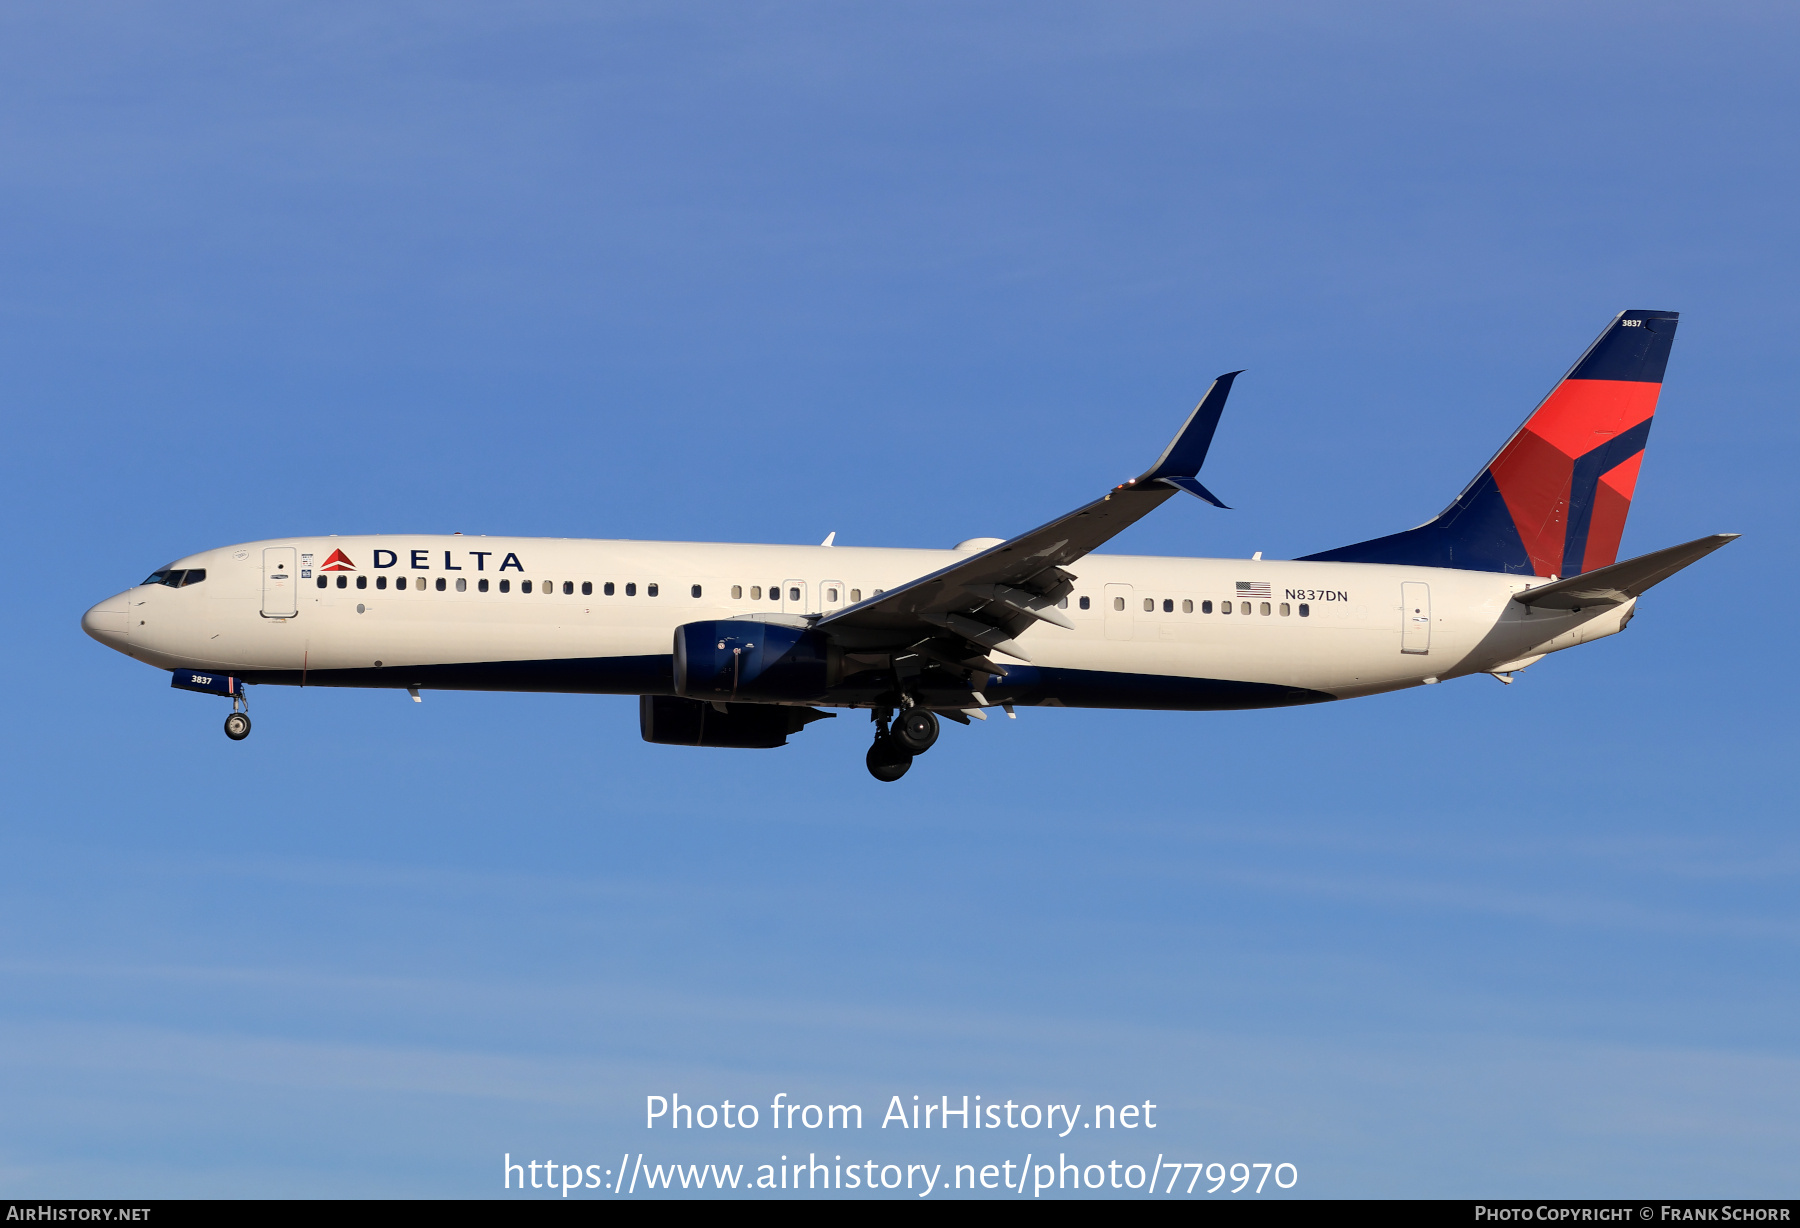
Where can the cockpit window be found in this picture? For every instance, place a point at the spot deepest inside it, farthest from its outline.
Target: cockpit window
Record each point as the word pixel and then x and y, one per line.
pixel 175 577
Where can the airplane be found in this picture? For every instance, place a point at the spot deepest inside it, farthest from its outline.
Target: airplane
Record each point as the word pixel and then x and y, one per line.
pixel 729 645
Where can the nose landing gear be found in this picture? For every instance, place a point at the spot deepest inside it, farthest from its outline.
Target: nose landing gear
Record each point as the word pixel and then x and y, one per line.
pixel 237 725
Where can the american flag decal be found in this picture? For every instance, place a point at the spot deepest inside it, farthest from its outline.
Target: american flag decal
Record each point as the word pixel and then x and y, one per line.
pixel 1253 588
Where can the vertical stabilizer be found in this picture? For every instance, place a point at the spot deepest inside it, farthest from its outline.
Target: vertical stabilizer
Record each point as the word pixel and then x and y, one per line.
pixel 1553 501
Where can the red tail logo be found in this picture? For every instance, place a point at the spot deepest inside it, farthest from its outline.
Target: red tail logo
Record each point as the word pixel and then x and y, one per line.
pixel 1554 501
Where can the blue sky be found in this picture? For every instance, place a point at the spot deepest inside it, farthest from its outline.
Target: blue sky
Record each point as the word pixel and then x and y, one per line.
pixel 912 275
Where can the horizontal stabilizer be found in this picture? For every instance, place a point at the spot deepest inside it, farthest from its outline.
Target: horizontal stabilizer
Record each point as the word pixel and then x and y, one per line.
pixel 1621 582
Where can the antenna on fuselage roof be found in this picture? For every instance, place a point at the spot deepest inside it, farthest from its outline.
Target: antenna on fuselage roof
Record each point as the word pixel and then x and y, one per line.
pixel 829 538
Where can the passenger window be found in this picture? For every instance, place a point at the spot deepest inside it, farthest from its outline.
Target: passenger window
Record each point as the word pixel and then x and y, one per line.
pixel 506 586
pixel 362 582
pixel 1244 607
pixel 793 594
pixel 549 587
pixel 1285 609
pixel 1168 606
pixel 1084 603
pixel 323 581
pixel 1149 604
pixel 1118 603
pixel 1063 604
pixel 880 591
pixel 587 588
pixel 343 581
pixel 441 586
pixel 1224 607
pixel 774 592
pixel 568 588
pixel 419 584
pixel 855 595
pixel 1265 609
pixel 631 590
pixel 1305 610
pixel 1187 607
pixel 1206 607
pixel 481 586
pixel 608 590
pixel 756 592
pixel 650 590
pixel 696 590
pixel 380 581
pixel 462 585
pixel 830 593
pixel 524 586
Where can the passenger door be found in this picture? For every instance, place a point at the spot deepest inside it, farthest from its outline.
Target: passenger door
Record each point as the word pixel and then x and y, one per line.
pixel 1415 618
pixel 1118 611
pixel 279 581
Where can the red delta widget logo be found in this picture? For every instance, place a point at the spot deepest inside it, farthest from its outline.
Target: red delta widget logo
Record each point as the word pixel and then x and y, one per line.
pixel 339 561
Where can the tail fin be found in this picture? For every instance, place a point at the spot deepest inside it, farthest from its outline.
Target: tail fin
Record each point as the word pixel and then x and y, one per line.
pixel 1553 501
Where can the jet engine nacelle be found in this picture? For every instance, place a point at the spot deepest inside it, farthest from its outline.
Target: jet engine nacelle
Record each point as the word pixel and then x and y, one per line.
pixel 674 721
pixel 744 659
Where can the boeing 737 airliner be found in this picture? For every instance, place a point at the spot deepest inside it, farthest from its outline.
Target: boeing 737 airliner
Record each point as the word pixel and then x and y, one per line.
pixel 744 645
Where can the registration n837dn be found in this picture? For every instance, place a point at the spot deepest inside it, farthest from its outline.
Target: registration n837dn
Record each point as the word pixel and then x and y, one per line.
pixel 745 645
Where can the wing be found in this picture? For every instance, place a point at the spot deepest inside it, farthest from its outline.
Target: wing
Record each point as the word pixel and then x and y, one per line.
pixel 981 603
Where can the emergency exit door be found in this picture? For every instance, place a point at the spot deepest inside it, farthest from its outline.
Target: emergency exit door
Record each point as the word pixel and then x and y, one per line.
pixel 793 597
pixel 279 583
pixel 1415 618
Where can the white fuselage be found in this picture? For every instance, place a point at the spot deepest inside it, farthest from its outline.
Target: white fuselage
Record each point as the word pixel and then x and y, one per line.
pixel 1334 630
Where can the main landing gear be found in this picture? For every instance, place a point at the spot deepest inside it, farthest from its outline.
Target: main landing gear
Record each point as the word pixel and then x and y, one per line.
pixel 892 754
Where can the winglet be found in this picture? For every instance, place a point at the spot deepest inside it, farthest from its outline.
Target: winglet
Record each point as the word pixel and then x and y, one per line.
pixel 1181 460
pixel 1193 487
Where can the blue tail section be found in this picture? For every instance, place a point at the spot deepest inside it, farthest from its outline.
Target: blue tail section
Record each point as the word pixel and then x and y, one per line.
pixel 1553 501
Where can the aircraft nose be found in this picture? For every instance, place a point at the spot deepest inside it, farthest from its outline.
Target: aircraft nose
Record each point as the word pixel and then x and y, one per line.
pixel 107 623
